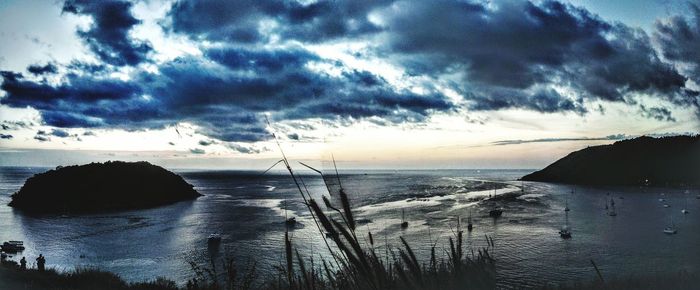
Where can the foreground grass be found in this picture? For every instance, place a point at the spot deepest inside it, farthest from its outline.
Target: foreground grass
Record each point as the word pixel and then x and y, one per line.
pixel 11 277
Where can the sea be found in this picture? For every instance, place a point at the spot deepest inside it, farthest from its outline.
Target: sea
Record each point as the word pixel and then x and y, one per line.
pixel 248 209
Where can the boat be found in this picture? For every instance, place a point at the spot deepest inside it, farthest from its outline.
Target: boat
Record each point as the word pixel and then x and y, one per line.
pixel 684 210
pixel 670 230
pixel 666 205
pixel 565 232
pixel 495 212
pixel 289 222
pixel 566 207
pixel 214 238
pixel 404 223
pixel 469 222
pixel 459 225
pixel 12 246
pixel 612 211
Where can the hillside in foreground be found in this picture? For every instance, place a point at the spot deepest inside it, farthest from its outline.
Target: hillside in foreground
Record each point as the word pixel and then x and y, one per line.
pixel 666 161
pixel 94 187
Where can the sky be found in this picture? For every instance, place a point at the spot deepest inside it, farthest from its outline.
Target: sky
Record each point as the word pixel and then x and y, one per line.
pixel 375 84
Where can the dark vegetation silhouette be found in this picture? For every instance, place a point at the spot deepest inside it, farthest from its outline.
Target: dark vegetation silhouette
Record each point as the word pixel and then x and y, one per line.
pixel 95 187
pixel 665 161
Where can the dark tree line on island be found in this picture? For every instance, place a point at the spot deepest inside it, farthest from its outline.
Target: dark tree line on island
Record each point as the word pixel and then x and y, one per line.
pixel 643 161
pixel 94 187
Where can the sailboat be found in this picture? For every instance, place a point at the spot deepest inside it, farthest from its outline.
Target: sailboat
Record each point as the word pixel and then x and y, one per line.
pixel 612 211
pixel 404 223
pixel 469 221
pixel 495 212
pixel 566 207
pixel 459 225
pixel 565 231
pixel 213 241
pixel 671 230
pixel 684 210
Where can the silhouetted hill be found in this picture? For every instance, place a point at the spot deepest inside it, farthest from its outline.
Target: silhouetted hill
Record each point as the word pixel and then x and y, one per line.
pixel 667 161
pixel 113 185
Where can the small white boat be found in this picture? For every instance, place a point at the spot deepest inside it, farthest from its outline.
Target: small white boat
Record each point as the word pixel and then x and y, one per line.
pixel 666 205
pixel 670 230
pixel 495 212
pixel 565 233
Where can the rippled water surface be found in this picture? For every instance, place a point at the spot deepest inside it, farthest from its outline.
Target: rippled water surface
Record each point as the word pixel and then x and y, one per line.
pixel 249 209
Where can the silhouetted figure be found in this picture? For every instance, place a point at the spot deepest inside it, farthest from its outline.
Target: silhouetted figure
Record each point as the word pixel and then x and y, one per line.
pixel 23 264
pixel 40 262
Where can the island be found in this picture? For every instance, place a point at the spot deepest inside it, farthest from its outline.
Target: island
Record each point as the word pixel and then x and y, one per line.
pixel 99 187
pixel 665 161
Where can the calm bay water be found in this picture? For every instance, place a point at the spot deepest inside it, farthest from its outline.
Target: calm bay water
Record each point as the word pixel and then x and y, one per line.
pixel 248 210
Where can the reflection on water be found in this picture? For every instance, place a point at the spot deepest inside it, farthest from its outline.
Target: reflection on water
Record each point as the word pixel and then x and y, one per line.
pixel 248 211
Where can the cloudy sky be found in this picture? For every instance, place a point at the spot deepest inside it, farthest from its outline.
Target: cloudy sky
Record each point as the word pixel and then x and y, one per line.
pixel 378 84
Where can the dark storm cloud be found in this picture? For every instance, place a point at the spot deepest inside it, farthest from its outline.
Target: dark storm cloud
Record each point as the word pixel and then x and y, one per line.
pixel 679 39
pixel 541 100
pixel 506 50
pixel 59 133
pixel 223 94
pixel 658 113
pixel 37 69
pixel 239 21
pixel 80 101
pixel 227 93
pixel 293 136
pixel 108 37
pixel 546 57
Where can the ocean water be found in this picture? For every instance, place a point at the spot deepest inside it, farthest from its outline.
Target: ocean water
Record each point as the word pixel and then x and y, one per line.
pixel 248 210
